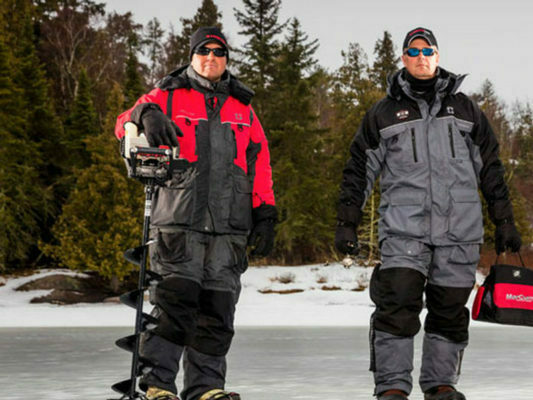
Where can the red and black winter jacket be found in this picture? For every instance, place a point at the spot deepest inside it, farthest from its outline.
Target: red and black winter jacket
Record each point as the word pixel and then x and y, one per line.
pixel 228 187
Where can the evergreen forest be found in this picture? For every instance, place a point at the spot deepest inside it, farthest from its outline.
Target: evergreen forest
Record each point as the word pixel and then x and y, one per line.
pixel 69 67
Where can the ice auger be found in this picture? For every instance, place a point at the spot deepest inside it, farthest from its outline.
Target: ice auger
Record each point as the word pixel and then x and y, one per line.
pixel 151 166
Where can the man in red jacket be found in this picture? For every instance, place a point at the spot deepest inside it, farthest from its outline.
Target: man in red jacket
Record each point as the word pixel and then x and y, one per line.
pixel 204 218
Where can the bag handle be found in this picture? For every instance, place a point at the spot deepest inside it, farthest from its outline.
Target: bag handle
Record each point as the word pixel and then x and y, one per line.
pixel 519 255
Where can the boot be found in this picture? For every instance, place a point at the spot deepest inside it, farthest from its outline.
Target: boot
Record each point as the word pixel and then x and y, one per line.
pixel 392 394
pixel 154 393
pixel 219 394
pixel 443 393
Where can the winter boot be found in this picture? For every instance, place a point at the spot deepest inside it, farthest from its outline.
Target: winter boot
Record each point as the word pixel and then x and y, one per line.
pixel 443 393
pixel 219 394
pixel 154 393
pixel 393 394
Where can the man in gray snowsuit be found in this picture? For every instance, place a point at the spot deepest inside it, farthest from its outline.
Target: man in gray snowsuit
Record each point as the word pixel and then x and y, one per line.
pixel 204 218
pixel 433 148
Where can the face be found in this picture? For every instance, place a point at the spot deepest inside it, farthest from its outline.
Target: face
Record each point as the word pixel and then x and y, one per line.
pixel 210 67
pixel 421 66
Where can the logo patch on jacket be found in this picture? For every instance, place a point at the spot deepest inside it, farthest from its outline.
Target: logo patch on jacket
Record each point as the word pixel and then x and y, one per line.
pixel 238 116
pixel 450 110
pixel 402 114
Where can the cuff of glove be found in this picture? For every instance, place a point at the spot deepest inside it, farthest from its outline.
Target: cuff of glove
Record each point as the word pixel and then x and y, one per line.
pixel 501 212
pixel 348 214
pixel 265 212
pixel 501 222
pixel 137 113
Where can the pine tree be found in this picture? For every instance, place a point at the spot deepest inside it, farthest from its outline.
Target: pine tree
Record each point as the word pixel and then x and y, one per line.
pixel 386 61
pixel 134 85
pixel 154 50
pixel 495 110
pixel 297 159
pixel 82 123
pixel 68 42
pixel 523 134
pixel 22 203
pixel 353 94
pixel 103 214
pixel 31 135
pixel 257 67
pixel 43 125
pixel 177 45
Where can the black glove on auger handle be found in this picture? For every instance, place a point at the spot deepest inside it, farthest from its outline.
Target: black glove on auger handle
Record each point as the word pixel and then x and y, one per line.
pixel 159 129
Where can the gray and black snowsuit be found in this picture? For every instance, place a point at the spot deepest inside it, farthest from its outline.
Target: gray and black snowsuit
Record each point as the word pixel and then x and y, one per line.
pixel 201 221
pixel 431 160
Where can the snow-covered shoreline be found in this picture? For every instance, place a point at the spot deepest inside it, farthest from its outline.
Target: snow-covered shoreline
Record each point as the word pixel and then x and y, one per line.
pixel 331 296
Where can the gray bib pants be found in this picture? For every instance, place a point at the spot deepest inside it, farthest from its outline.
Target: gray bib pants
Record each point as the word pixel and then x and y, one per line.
pixel 195 305
pixel 410 269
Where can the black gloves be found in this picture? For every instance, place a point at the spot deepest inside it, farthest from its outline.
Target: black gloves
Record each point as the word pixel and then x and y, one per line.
pixel 262 236
pixel 348 218
pixel 346 238
pixel 507 237
pixel 159 129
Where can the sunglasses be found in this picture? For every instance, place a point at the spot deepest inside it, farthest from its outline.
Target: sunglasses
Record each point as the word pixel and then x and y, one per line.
pixel 413 52
pixel 204 51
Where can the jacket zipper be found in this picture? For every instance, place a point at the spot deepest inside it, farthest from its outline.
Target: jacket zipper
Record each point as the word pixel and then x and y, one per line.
pixel 413 142
pixel 450 135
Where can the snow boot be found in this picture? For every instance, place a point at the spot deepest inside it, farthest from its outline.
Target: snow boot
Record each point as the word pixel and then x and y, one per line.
pixel 392 394
pixel 219 394
pixel 443 393
pixel 154 393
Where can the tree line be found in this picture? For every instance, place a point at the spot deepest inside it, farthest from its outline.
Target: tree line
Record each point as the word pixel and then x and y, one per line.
pixel 68 68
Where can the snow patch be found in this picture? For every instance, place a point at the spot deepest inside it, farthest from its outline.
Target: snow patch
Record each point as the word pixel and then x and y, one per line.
pixel 330 295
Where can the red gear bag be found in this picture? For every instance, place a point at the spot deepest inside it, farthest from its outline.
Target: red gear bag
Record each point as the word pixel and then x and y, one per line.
pixel 506 296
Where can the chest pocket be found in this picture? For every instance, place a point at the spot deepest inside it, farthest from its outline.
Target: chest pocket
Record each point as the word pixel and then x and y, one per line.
pixel 187 108
pixel 457 138
pixel 237 116
pixel 403 144
pixel 188 127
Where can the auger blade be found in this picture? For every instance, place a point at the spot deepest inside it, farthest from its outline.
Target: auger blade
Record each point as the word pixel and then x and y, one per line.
pixel 134 255
pixel 131 298
pixel 124 387
pixel 127 343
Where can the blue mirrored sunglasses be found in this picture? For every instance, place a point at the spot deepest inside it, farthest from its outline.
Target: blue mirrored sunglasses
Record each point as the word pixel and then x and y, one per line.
pixel 413 52
pixel 204 51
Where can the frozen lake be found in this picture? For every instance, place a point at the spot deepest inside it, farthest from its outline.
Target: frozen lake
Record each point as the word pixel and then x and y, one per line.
pixel 264 363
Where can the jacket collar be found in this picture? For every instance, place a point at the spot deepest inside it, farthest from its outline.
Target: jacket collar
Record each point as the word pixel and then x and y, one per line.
pixel 447 83
pixel 180 78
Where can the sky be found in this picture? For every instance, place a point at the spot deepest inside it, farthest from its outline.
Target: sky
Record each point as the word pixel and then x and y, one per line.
pixel 487 39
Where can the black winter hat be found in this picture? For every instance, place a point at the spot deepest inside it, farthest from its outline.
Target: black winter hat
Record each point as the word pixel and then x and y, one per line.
pixel 421 33
pixel 207 34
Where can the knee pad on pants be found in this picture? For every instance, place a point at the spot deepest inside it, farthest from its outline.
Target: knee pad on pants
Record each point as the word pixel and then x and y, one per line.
pixel 177 308
pixel 397 293
pixel 214 329
pixel 447 314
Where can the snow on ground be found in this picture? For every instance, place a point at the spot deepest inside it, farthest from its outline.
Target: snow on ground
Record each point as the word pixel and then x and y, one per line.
pixel 324 295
